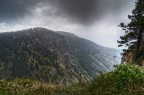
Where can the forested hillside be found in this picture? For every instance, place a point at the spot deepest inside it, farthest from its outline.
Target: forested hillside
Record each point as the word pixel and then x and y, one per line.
pixel 53 57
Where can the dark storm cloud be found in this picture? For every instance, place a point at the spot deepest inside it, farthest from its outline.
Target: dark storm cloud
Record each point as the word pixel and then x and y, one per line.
pixel 13 9
pixel 75 16
pixel 82 11
pixel 87 10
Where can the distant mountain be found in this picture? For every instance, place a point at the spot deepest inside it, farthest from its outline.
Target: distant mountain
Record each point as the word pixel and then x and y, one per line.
pixel 52 56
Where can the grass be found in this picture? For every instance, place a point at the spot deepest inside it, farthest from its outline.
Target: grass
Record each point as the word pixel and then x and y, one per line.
pixel 124 80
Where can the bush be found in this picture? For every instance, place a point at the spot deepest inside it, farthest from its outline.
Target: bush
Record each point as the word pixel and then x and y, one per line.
pixel 129 73
pixel 124 80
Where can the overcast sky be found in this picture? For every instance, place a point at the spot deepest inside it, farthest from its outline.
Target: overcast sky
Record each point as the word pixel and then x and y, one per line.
pixel 95 20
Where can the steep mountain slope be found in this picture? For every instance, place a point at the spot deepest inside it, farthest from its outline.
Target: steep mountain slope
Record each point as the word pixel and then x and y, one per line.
pixel 52 56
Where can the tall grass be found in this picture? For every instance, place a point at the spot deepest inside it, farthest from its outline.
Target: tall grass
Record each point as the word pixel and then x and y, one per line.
pixel 124 80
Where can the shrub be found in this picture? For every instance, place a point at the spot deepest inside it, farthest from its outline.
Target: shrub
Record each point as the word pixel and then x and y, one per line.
pixel 124 80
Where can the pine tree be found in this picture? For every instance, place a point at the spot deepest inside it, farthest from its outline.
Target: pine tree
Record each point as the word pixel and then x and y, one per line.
pixel 134 29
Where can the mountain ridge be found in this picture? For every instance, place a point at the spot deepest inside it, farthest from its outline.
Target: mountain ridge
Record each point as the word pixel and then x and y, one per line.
pixel 51 56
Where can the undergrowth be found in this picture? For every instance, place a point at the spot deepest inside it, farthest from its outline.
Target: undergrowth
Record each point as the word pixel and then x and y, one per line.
pixel 124 80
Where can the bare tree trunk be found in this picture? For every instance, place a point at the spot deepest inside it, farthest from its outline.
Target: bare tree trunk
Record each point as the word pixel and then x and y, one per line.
pixel 138 44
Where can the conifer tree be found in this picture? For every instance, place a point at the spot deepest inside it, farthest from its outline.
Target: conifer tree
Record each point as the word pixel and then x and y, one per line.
pixel 134 30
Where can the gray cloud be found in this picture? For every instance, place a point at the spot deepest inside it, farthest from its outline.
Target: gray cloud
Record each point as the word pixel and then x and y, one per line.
pixel 87 10
pixel 91 19
pixel 11 10
pixel 82 11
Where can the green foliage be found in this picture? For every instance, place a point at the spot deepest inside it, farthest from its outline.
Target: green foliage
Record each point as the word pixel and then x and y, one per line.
pixel 128 73
pixel 134 32
pixel 124 80
pixel 129 78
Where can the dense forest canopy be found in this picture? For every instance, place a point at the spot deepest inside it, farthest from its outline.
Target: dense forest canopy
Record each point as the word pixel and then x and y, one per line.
pixel 52 56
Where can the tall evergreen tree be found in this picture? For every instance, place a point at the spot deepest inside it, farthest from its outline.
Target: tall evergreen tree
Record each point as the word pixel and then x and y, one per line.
pixel 134 29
